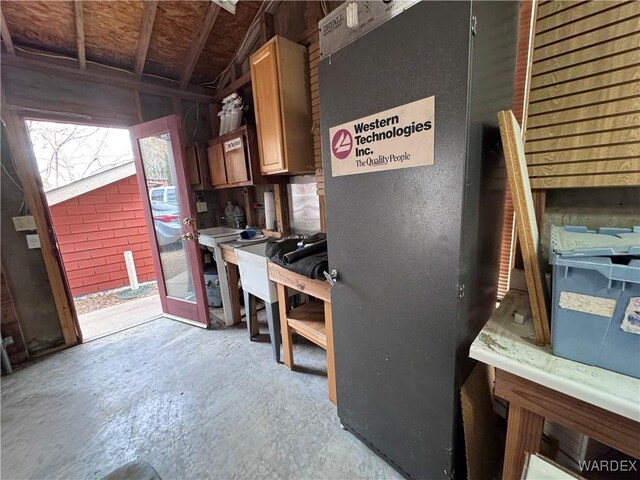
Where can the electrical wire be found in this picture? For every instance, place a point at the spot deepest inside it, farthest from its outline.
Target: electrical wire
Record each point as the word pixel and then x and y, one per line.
pixel 193 139
pixel 263 8
pixel 11 177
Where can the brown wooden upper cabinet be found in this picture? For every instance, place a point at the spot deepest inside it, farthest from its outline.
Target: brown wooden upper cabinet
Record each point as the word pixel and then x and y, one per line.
pixel 195 156
pixel 282 102
pixel 233 159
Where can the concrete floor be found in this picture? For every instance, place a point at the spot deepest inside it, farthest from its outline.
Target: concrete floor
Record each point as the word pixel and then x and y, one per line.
pixel 194 403
pixel 118 317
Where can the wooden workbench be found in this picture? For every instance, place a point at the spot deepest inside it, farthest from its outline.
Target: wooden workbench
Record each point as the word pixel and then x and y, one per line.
pixel 599 403
pixel 311 320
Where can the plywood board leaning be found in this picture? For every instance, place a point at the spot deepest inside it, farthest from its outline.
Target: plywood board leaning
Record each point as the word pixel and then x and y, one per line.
pixel 480 427
pixel 526 222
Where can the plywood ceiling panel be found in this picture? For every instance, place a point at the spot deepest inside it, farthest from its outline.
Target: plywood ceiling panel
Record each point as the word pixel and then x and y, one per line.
pixel 176 27
pixel 225 38
pixel 44 25
pixel 111 31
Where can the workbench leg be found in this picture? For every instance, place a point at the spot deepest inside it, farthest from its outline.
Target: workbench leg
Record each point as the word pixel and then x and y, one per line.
pixel 287 341
pixel 273 319
pixel 234 293
pixel 250 315
pixel 524 432
pixel 331 368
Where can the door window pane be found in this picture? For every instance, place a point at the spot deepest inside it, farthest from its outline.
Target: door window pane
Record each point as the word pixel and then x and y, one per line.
pixel 157 160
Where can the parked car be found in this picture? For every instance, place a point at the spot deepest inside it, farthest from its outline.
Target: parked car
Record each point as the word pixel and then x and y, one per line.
pixel 163 194
pixel 166 215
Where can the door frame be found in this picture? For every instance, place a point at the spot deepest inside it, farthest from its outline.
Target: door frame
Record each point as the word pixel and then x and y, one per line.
pixel 26 168
pixel 193 313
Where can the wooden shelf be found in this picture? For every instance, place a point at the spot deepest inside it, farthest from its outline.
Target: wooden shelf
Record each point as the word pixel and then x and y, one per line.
pixel 307 320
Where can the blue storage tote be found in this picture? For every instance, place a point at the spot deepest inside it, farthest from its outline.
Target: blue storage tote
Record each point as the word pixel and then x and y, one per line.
pixel 596 301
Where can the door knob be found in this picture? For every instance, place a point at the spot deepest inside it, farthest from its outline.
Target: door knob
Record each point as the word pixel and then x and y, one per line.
pixel 332 277
pixel 187 221
pixel 187 236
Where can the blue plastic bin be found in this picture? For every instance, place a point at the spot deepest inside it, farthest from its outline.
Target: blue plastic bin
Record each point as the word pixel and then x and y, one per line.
pixel 595 308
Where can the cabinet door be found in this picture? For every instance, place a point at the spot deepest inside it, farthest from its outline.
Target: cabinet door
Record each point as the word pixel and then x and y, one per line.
pixel 266 99
pixel 217 171
pixel 235 160
pixel 191 159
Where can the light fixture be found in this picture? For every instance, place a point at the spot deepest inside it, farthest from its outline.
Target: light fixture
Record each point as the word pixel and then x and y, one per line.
pixel 228 5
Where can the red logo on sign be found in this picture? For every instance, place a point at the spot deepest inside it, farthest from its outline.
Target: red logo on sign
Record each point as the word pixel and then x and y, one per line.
pixel 342 144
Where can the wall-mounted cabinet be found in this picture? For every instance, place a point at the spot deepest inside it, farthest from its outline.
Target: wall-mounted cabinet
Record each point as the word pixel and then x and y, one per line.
pixel 196 160
pixel 233 159
pixel 282 103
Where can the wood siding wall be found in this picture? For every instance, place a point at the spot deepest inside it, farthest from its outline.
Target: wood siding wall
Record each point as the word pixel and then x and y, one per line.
pixel 583 126
pixel 95 229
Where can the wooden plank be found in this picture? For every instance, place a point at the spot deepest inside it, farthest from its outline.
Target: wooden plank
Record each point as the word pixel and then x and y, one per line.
pixel 575 115
pixel 554 7
pixel 100 74
pixel 79 23
pixel 287 340
pixel 617 53
pixel 627 91
pixel 588 167
pixel 331 363
pixel 602 425
pixel 573 87
pixel 198 44
pixel 595 37
pixel 241 82
pixel 26 166
pixel 628 121
pixel 316 288
pixel 144 37
pixel 6 35
pixel 525 221
pixel 308 321
pixel 573 14
pixel 228 254
pixel 613 152
pixel 603 19
pixel 282 207
pixel 524 434
pixel 630 135
pixel 630 179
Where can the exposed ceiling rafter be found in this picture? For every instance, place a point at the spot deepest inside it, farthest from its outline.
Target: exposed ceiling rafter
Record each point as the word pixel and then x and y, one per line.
pixel 6 36
pixel 105 75
pixel 79 20
pixel 146 27
pixel 196 49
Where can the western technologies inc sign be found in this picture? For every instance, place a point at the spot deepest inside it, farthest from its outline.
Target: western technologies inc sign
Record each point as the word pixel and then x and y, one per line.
pixel 401 137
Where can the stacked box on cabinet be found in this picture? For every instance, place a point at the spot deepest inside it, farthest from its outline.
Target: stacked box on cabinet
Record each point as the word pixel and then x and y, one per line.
pixel 596 297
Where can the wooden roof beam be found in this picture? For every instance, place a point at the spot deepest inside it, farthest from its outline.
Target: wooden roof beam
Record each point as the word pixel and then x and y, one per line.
pixel 196 49
pixel 78 14
pixel 30 60
pixel 6 36
pixel 146 27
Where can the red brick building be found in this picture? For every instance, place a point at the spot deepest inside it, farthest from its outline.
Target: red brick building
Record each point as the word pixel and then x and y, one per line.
pixel 96 220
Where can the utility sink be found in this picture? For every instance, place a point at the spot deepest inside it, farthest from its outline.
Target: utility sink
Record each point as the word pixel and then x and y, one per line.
pixel 252 262
pixel 209 237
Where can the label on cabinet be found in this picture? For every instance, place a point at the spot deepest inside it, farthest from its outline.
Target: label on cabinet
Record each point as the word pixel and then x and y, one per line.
pixel 401 137
pixel 233 144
